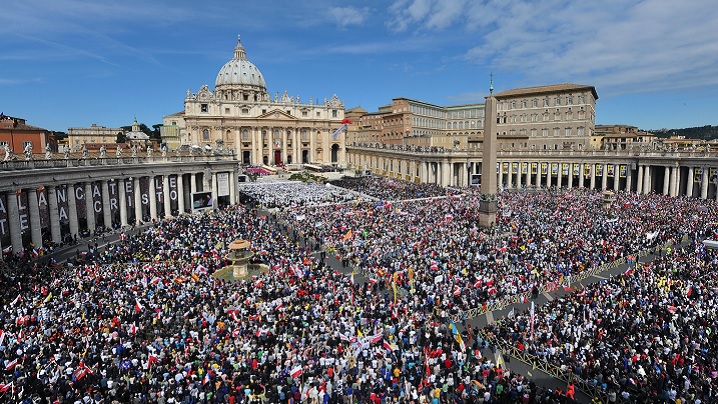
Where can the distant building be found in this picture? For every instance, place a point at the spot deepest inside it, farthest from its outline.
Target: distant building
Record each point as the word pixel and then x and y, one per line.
pixel 552 117
pixel 17 134
pixel 621 137
pixel 92 137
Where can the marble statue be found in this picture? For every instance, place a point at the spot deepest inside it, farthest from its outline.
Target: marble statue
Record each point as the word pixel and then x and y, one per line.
pixel 134 150
pixel 103 151
pixel 149 151
pixel 8 152
pixel 28 151
pixel 85 152
pixel 66 151
pixel 118 151
pixel 164 150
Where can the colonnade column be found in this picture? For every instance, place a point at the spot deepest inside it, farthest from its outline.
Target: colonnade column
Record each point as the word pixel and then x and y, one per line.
pixel 646 180
pixel 166 195
pixel 215 201
pixel 13 217
pixel 54 214
pixel 35 229
pixel 123 201
pixel 445 174
pixel 676 180
pixel 538 175
pixel 72 210
pixel 528 175
pixel 570 175
pixel 180 193
pixel 593 175
pixel 509 181
pixel 89 209
pixel 548 175
pixel 629 178
pixel 138 201
pixel 666 179
pixel 689 183
pixel 616 176
pixel 500 181
pixel 153 197
pixel 639 183
pixel 559 176
pixel 193 183
pixel 704 183
pixel 232 188
pixel 604 176
pixel 106 210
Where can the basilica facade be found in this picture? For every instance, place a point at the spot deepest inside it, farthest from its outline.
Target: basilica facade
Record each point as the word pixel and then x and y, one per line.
pixel 241 116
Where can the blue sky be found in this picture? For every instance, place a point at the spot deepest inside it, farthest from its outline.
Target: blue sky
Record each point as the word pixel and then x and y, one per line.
pixel 71 63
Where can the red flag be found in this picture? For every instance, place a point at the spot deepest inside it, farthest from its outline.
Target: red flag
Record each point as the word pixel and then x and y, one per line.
pixel 11 365
pixel 296 372
pixel 138 306
pixel 6 387
pixel 152 359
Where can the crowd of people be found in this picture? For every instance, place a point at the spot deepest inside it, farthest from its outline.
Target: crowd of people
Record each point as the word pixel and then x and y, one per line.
pixel 648 334
pixel 288 194
pixel 143 320
pixel 390 189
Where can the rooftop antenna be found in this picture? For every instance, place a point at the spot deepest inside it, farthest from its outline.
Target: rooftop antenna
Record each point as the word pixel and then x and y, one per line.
pixel 491 83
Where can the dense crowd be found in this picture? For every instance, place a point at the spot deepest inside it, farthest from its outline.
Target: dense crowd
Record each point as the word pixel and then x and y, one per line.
pixel 541 239
pixel 649 334
pixel 391 189
pixel 142 321
pixel 287 194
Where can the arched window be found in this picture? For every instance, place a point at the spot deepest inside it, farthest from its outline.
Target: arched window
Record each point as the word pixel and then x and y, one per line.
pixel 205 134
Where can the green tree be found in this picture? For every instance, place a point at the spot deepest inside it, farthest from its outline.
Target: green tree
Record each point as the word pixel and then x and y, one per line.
pixel 121 138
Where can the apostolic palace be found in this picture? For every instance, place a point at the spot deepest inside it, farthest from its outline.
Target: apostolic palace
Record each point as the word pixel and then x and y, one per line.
pixel 546 137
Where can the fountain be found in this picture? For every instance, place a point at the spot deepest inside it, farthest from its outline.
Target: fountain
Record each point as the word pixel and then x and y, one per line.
pixel 239 268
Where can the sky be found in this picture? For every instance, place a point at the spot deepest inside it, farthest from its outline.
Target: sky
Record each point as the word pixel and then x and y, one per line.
pixel 72 63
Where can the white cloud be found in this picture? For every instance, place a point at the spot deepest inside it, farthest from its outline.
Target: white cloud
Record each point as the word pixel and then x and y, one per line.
pixel 617 45
pixel 346 16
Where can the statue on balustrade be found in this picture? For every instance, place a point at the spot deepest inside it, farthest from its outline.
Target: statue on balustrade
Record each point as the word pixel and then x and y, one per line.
pixel 28 151
pixel 164 150
pixel 134 150
pixel 118 151
pixel 48 152
pixel 8 152
pixel 85 152
pixel 103 151
pixel 66 151
pixel 149 151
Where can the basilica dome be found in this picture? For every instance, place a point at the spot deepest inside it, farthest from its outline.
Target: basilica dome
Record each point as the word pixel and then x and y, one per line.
pixel 240 72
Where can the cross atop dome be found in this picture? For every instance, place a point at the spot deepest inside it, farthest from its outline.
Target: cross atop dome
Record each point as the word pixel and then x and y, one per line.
pixel 239 53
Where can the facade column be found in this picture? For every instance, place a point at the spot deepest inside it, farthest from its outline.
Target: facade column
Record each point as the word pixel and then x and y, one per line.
pixel 153 198
pixel 647 180
pixel 54 214
pixel 639 183
pixel 666 179
pixel 193 183
pixel 629 178
pixel 166 195
pixel 123 201
pixel 72 211
pixel 604 177
pixel 501 177
pixel 215 200
pixel 422 172
pixel 616 176
pixel 13 218
pixel 704 183
pixel 138 201
pixel 106 211
pixel 89 209
pixel 689 183
pixel 35 230
pixel 180 194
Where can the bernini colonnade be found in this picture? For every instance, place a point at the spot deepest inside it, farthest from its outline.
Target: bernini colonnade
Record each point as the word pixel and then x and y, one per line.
pixel 692 174
pixel 51 200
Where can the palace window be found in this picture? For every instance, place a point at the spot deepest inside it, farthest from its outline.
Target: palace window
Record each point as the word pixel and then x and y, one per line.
pixel 203 108
pixel 568 132
pixel 205 134
pixel 557 101
pixel 545 102
pixel 226 111
pixel 245 111
pixel 245 134
pixel 544 132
